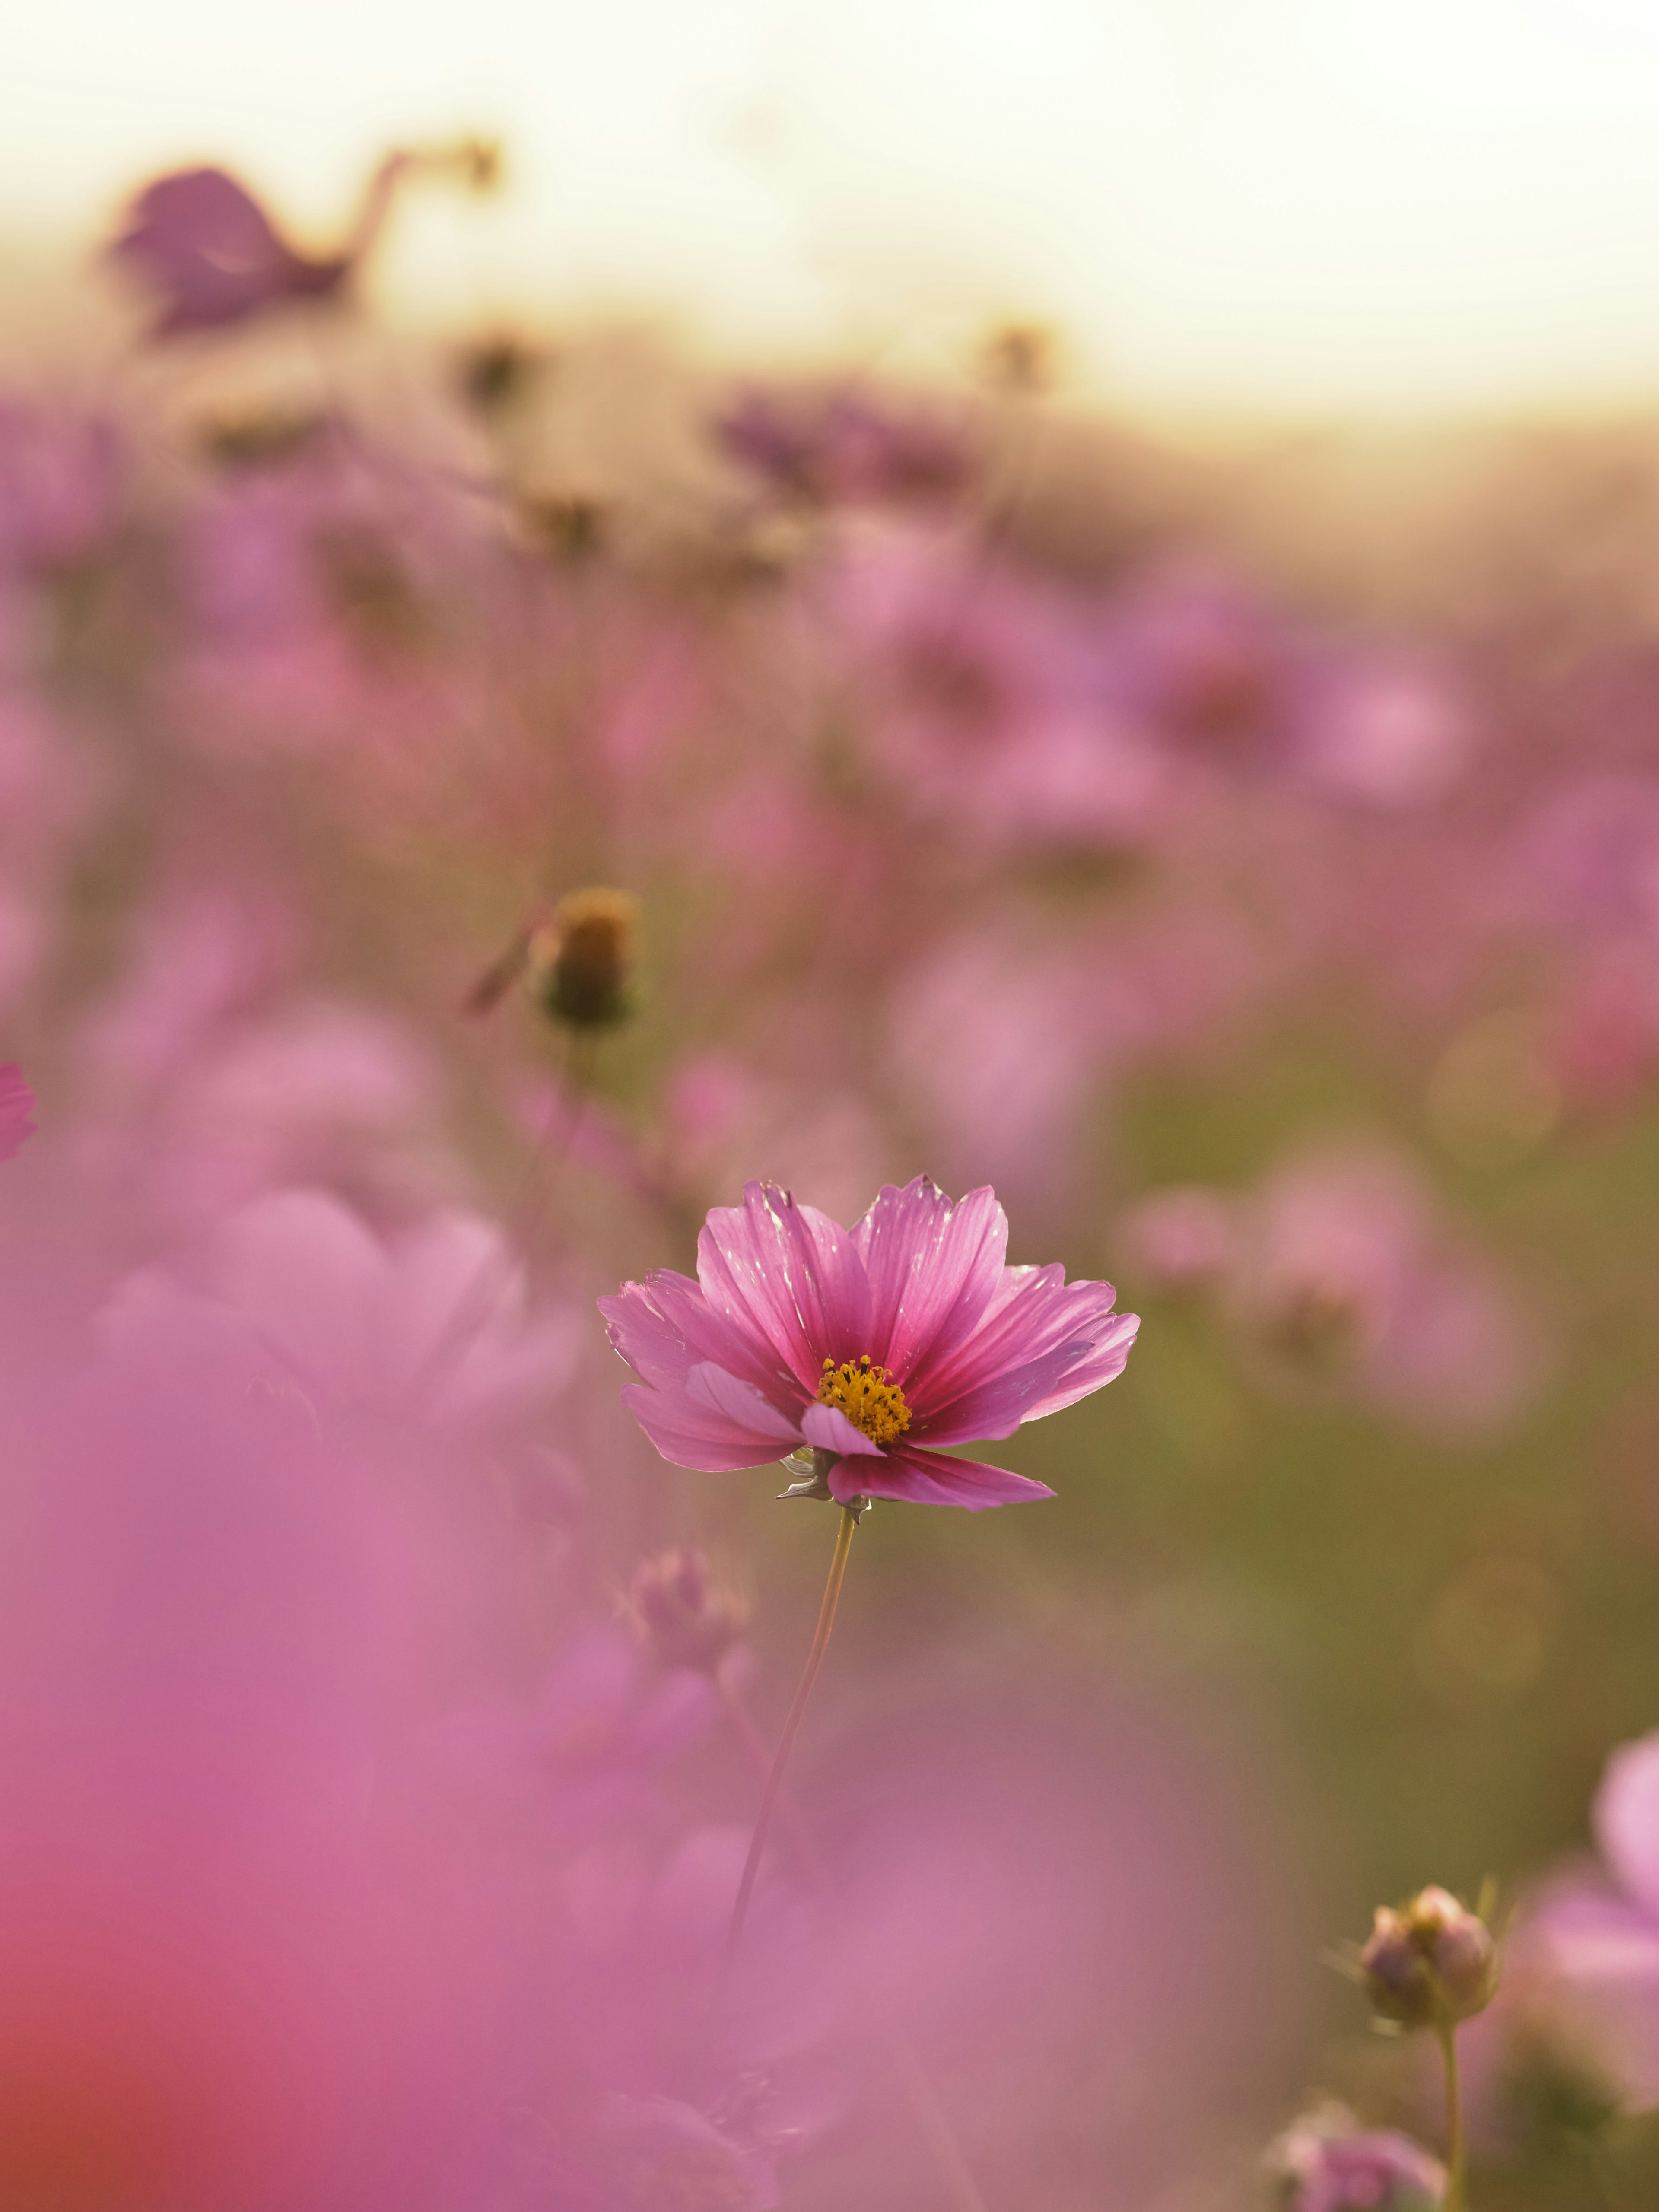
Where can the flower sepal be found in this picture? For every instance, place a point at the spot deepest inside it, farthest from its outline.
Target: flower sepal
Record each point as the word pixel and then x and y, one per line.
pixel 812 1468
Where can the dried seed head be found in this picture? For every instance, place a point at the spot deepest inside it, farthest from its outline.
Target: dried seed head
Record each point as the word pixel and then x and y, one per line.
pixel 582 962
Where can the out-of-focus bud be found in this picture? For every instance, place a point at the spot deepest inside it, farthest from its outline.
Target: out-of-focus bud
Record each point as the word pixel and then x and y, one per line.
pixel 1325 2162
pixel 1019 357
pixel 683 1615
pixel 497 372
pixel 569 526
pixel 1429 1964
pixel 581 960
pixel 480 163
pixel 257 441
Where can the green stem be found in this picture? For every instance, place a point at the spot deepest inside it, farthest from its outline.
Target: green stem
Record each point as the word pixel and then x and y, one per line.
pixel 1456 2197
pixel 849 1521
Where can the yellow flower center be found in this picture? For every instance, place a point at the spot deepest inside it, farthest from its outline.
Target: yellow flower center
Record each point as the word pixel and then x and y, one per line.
pixel 868 1395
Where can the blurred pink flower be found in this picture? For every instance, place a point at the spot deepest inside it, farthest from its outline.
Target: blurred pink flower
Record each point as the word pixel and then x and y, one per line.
pixel 269 1943
pixel 721 1113
pixel 340 600
pixel 60 481
pixel 1210 664
pixel 211 256
pixel 16 1110
pixel 995 1044
pixel 989 704
pixel 1599 1936
pixel 1384 729
pixel 844 448
pixel 1339 1270
pixel 255 1953
pixel 298 1295
pixel 1328 2163
pixel 1587 861
pixel 875 1344
pixel 1179 1237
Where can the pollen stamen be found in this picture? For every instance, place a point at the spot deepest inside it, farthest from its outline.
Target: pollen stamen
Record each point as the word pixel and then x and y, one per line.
pixel 868 1395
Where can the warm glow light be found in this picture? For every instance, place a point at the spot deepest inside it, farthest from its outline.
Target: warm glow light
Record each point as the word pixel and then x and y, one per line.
pixel 1288 204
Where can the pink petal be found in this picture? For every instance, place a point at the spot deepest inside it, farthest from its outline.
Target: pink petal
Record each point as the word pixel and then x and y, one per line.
pixel 1105 1361
pixel 934 1266
pixel 996 1408
pixel 698 1435
pixel 787 1278
pixel 829 1429
pixel 1627 1818
pixel 1036 1312
pixel 16 1110
pixel 665 1327
pixel 930 1478
pixel 739 1402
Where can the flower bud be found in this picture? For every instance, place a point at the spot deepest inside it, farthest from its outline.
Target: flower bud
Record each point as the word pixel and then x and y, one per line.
pixel 1326 2162
pixel 583 959
pixel 1431 1962
pixel 684 1617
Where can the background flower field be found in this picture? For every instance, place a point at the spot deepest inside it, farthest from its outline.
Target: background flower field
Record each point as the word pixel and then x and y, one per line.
pixel 1243 854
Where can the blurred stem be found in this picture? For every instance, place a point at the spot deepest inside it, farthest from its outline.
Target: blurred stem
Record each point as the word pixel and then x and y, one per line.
pixel 849 1521
pixel 1456 2196
pixel 930 2114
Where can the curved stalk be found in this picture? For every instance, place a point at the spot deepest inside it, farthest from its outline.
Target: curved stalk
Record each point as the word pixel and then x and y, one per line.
pixel 792 1724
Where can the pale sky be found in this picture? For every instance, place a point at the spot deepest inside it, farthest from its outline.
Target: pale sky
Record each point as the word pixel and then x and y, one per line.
pixel 1245 204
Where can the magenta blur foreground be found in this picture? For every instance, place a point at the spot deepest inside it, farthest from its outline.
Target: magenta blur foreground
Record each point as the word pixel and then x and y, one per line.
pixel 16 1110
pixel 871 1345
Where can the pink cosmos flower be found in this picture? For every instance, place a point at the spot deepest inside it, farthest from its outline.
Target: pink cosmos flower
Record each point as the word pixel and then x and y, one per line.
pixel 16 1110
pixel 869 1346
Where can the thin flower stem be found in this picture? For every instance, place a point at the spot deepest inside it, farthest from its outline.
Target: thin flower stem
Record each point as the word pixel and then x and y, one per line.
pixel 1456 2196
pixel 791 1726
pixel 931 2116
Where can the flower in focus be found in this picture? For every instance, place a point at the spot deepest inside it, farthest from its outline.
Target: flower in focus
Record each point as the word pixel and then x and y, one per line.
pixel 1328 2163
pixel 16 1110
pixel 1429 1964
pixel 870 1347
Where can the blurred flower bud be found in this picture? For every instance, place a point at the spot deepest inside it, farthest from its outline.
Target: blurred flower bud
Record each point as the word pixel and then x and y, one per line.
pixel 582 960
pixel 568 526
pixel 1019 357
pixel 1431 1962
pixel 684 1617
pixel 498 372
pixel 1326 2163
pixel 481 164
